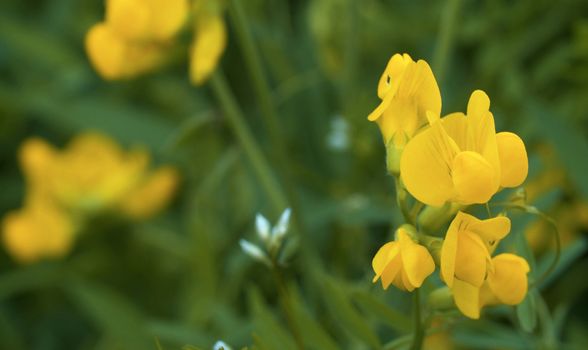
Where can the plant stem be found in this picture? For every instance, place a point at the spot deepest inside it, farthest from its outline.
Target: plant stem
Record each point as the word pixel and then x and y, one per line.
pixel 419 331
pixel 447 24
pixel 401 201
pixel 286 303
pixel 252 150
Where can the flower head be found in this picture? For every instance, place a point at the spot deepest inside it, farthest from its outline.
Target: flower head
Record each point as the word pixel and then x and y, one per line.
pixel 461 159
pixel 403 263
pixel 465 254
pixel 506 284
pixel 408 90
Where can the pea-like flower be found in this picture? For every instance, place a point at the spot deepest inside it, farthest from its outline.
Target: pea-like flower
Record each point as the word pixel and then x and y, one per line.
pixel 507 283
pixel 408 90
pixel 461 159
pixel 403 263
pixel 209 42
pixel 465 254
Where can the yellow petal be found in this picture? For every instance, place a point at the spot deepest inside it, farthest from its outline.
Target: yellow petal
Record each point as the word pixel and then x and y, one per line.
pixel 508 281
pixel 417 262
pixel 106 51
pixel 129 19
pixel 467 298
pixel 425 166
pixel 384 255
pixel 35 157
pixel 513 159
pixel 473 177
pixel 168 17
pixel 449 251
pixel 478 105
pixel 490 230
pixel 392 74
pixel 471 257
pixel 399 118
pixel 150 197
pixel 209 43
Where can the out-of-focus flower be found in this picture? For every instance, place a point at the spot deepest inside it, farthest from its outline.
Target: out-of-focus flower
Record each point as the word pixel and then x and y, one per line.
pixel 403 263
pixel 65 187
pixel 506 284
pixel 39 230
pixel 465 255
pixel 209 42
pixel 462 159
pixel 221 345
pixel 272 238
pixel 408 90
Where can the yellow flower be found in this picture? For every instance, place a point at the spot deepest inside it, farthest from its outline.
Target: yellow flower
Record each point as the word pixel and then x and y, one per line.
pixel 152 195
pixel 408 90
pixel 461 159
pixel 114 58
pixel 506 284
pixel 144 20
pixel 210 39
pixel 39 230
pixel 403 263
pixel 465 254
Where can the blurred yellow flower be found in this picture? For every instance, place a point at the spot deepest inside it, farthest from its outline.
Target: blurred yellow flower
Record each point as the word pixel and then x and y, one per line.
pixel 65 187
pixel 152 195
pixel 210 39
pixel 133 38
pixel 506 283
pixel 39 230
pixel 461 159
pixel 403 263
pixel 408 90
pixel 465 254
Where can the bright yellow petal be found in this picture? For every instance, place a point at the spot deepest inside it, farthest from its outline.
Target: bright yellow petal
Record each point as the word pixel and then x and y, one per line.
pixel 399 118
pixel 467 298
pixel 393 273
pixel 384 255
pixel 513 159
pixel 478 105
pixel 390 78
pixel 150 197
pixel 106 51
pixel 449 251
pixel 209 43
pixel 417 262
pixel 129 19
pixel 168 17
pixel 509 279
pixel 425 166
pixel 473 177
pixel 471 257
pixel 491 231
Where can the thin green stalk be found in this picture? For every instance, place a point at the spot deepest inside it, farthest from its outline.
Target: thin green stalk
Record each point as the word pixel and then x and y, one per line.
pixel 446 32
pixel 401 202
pixel 252 150
pixel 286 303
pixel 254 65
pixel 419 331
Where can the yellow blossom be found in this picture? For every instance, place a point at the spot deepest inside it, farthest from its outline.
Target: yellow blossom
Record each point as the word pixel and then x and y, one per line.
pixel 152 195
pixel 506 283
pixel 403 263
pixel 465 254
pixel 461 159
pixel 39 230
pixel 408 90
pixel 210 38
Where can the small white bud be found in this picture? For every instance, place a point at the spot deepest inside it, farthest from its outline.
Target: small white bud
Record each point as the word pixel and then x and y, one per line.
pixel 254 251
pixel 281 228
pixel 263 227
pixel 221 345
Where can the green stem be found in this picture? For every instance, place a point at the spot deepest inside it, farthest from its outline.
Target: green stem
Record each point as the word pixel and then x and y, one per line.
pixel 252 150
pixel 445 39
pixel 254 65
pixel 401 201
pixel 419 331
pixel 286 303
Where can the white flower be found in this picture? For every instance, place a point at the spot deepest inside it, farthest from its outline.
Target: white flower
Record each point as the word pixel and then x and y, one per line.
pixel 263 227
pixel 221 345
pixel 254 251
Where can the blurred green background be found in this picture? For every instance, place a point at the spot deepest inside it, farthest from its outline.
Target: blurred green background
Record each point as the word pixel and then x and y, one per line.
pixel 180 278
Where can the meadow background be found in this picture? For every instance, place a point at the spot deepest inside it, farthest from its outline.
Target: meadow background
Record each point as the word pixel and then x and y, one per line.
pixel 181 278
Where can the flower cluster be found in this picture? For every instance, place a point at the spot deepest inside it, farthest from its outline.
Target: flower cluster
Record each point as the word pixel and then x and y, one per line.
pixel 66 187
pixel 450 162
pixel 136 36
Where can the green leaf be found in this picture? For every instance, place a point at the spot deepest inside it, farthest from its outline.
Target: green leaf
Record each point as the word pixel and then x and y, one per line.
pixel 372 305
pixel 527 313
